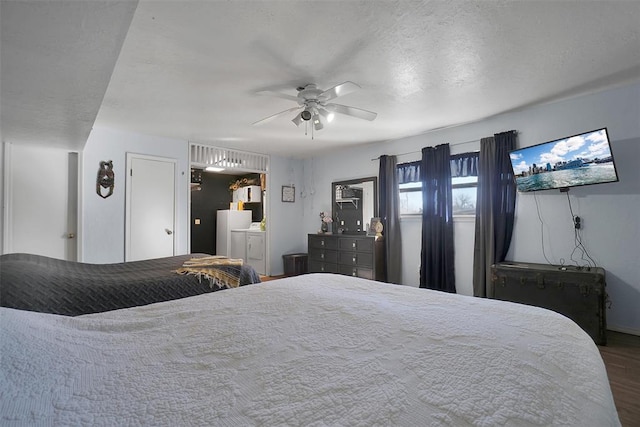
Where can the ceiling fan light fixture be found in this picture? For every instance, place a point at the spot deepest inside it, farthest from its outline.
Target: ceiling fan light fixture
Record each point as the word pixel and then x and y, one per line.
pixel 297 119
pixel 314 103
pixel 317 124
pixel 327 115
pixel 306 115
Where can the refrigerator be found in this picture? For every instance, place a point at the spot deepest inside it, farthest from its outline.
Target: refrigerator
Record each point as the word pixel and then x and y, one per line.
pixel 229 220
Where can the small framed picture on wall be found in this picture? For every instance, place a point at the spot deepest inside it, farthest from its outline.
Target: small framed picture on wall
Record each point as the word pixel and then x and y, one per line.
pixel 288 193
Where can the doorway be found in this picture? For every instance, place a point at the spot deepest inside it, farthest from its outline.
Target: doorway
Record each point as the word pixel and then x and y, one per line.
pixel 210 192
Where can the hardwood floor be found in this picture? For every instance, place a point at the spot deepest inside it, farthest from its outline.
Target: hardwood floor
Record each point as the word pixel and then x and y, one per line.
pixel 267 278
pixel 621 356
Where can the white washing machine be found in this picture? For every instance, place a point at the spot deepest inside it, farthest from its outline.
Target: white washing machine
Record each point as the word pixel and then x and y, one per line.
pixel 250 245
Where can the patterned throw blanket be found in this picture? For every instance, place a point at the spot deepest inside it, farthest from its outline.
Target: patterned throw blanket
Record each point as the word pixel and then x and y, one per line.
pixel 221 271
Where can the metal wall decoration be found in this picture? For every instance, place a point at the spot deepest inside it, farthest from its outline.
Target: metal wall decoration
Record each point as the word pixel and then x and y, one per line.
pixel 106 179
pixel 244 182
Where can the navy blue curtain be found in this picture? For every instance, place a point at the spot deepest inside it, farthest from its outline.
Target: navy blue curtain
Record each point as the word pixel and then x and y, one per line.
pixel 437 255
pixel 390 214
pixel 495 208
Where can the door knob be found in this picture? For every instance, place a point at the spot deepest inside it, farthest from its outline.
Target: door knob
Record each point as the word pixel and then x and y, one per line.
pixel 71 236
pixel 169 232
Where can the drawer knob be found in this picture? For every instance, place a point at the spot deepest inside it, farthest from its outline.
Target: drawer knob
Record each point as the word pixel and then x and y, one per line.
pixel 354 245
pixel 321 242
pixel 322 268
pixel 354 259
pixel 322 255
pixel 355 272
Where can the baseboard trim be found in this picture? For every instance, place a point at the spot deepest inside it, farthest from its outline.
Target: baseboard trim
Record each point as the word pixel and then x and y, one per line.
pixel 623 330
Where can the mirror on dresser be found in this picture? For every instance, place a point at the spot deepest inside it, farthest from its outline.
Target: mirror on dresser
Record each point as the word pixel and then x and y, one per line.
pixel 355 202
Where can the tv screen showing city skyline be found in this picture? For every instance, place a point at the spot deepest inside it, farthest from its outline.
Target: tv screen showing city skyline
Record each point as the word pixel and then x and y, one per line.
pixel 576 160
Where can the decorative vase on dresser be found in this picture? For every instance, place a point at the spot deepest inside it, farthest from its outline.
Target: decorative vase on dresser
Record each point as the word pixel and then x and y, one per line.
pixel 351 255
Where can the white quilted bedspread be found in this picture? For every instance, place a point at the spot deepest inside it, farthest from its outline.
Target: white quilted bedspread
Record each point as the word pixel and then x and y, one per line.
pixel 313 350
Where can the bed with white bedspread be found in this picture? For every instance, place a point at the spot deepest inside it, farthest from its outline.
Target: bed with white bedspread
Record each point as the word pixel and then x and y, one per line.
pixel 312 350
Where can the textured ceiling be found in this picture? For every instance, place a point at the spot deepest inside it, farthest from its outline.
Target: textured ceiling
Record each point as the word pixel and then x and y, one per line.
pixel 56 59
pixel 191 70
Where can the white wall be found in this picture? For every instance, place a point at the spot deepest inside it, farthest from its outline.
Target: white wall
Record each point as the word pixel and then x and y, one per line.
pixel 610 211
pixel 2 189
pixel 103 219
pixel 284 219
pixel 103 225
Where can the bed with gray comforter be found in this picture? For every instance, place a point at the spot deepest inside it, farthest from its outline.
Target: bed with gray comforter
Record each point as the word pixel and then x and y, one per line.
pixel 48 285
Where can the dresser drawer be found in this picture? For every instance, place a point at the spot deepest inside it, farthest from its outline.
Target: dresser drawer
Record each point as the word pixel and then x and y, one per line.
pixel 365 273
pixel 322 242
pixel 356 244
pixel 356 259
pixel 352 255
pixel 324 255
pixel 322 267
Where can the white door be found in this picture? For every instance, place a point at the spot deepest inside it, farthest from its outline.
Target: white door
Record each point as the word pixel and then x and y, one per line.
pixel 41 200
pixel 151 208
pixel 72 209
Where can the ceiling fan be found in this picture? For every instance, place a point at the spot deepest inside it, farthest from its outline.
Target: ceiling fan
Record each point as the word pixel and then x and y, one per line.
pixel 314 103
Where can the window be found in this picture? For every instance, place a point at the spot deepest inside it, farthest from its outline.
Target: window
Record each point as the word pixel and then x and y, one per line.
pixel 410 198
pixel 464 192
pixel 464 183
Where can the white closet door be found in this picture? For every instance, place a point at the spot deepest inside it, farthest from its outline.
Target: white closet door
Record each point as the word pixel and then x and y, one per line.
pixel 151 209
pixel 41 201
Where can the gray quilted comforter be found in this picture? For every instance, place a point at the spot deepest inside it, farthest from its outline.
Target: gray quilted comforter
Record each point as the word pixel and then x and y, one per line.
pixel 48 285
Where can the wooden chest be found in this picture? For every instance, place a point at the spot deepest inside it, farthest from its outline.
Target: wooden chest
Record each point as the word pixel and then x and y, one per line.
pixel 576 292
pixel 352 255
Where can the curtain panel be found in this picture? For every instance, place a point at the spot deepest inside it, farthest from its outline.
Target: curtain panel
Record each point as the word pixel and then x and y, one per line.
pixel 408 172
pixel 437 254
pixel 464 164
pixel 495 208
pixel 390 214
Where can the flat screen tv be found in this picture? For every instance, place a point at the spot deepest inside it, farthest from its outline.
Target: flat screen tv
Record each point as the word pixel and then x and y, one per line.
pixel 582 159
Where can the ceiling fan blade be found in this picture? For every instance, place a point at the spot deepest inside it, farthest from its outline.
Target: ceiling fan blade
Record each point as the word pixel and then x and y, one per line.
pixel 352 111
pixel 339 90
pixel 278 95
pixel 273 116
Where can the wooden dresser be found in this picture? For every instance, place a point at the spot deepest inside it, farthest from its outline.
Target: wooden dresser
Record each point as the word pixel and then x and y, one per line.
pixel 351 255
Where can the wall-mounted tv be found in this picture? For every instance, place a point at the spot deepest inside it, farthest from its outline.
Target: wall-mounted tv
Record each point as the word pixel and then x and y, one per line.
pixel 582 159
